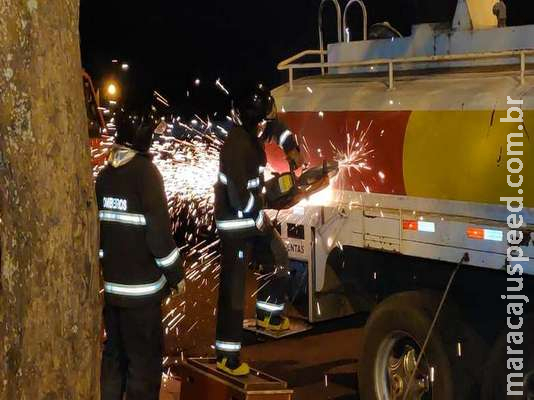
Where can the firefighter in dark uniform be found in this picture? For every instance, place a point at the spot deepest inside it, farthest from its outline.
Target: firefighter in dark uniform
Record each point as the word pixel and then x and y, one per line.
pixel 246 232
pixel 140 264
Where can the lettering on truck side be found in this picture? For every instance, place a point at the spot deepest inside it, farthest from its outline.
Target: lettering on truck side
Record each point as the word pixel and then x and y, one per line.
pixel 295 247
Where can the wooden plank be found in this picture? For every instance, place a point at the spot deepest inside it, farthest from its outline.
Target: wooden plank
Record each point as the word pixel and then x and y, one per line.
pixel 201 380
pixel 296 326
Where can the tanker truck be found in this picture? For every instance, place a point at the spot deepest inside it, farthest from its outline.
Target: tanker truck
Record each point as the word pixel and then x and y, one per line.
pixel 427 226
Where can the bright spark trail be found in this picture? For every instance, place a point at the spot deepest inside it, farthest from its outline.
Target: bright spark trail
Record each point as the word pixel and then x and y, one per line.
pixel 355 156
pixel 189 169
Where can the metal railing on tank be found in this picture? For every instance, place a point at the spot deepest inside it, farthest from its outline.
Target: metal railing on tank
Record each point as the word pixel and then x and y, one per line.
pixel 519 55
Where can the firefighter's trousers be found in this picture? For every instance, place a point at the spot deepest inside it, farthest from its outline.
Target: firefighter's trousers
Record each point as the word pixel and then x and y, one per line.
pixel 269 252
pixel 132 355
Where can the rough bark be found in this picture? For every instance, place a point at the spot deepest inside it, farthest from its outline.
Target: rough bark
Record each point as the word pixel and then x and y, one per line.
pixel 49 282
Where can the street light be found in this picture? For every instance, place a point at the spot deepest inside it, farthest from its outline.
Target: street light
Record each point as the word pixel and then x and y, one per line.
pixel 112 90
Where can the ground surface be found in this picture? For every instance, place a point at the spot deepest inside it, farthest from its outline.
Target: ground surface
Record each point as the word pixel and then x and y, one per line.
pixel 319 364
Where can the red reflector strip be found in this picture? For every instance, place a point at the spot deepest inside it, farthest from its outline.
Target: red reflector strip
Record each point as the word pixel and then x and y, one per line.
pixel 409 225
pixel 485 234
pixel 475 233
pixel 421 226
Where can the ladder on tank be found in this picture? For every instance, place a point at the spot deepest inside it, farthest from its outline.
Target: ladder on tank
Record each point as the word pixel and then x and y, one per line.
pixel 342 31
pixel 292 63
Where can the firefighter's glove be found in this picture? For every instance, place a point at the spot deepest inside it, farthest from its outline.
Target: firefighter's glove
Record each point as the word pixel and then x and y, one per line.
pixel 295 158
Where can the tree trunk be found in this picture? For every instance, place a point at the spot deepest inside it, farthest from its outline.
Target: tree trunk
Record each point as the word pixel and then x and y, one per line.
pixel 49 282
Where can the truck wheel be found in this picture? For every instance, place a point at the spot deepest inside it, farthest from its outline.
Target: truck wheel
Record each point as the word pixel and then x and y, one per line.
pixel 394 335
pixel 495 378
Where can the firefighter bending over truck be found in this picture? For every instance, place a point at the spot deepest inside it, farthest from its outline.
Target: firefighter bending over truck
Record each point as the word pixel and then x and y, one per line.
pixel 247 235
pixel 140 262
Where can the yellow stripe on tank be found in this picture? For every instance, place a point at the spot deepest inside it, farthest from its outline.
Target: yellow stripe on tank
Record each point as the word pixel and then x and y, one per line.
pixel 461 155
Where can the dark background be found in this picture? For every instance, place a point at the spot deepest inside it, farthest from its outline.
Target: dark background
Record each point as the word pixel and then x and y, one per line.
pixel 168 44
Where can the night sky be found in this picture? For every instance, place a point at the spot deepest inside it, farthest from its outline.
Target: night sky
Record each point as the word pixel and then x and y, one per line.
pixel 168 44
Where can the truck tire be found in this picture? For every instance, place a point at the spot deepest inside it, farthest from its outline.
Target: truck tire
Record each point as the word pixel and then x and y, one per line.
pixel 394 335
pixel 495 377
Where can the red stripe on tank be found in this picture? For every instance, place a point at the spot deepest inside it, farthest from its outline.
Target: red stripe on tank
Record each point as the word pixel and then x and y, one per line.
pixel 381 133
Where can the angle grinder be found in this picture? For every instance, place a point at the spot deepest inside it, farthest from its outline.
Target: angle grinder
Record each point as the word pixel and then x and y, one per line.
pixel 287 189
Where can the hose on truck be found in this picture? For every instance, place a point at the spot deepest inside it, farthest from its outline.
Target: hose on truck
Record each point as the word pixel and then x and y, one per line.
pixel 464 259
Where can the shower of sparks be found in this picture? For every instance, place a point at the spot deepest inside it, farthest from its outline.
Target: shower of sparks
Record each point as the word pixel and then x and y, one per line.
pixel 189 168
pixel 354 156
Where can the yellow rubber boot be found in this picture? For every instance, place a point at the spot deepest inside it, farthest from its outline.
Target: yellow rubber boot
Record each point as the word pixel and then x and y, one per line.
pixel 268 326
pixel 242 370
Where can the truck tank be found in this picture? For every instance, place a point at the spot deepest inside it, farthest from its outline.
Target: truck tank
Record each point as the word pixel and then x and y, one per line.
pixel 417 116
pixel 430 137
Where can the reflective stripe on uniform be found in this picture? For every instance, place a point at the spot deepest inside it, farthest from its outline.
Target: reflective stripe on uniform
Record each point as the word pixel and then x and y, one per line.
pixel 169 260
pixel 270 307
pixel 122 217
pixel 237 224
pixel 250 204
pixel 135 290
pixel 100 253
pixel 253 183
pixel 223 179
pixel 227 346
pixel 283 137
pixel 259 220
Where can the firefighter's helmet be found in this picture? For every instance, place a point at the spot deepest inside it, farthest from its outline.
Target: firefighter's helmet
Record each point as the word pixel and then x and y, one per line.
pixel 253 105
pixel 136 133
